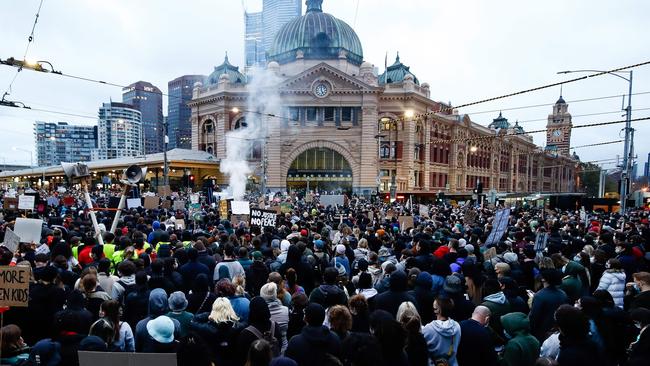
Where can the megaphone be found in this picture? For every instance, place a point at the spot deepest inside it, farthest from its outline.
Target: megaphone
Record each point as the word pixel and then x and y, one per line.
pixel 75 170
pixel 134 175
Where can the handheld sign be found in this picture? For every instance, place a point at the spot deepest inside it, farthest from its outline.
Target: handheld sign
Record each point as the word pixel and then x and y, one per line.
pixel 263 218
pixel 26 202
pixel 179 205
pixel 88 358
pixel 540 242
pixel 133 202
pixel 11 240
pixel 151 202
pixel 240 207
pixel 499 226
pixel 14 286
pixel 29 230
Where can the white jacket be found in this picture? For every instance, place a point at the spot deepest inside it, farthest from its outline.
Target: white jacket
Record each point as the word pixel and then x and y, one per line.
pixel 614 282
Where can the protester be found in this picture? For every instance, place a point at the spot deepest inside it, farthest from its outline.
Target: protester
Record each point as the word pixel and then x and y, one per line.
pixel 443 333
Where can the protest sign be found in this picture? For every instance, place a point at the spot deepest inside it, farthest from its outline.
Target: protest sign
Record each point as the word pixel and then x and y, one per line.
pixel 424 211
pixel 10 203
pixel 26 202
pixel 263 218
pixel 133 203
pixel 164 191
pixel 223 209
pixel 499 226
pixel 194 198
pixel 166 204
pixel 470 217
pixel 28 230
pixel 151 202
pixel 87 358
pixel 540 242
pixel 236 219
pixel 286 207
pixel 240 207
pixel 11 240
pixel 332 199
pixel 14 286
pixel 277 209
pixel 180 224
pixel 406 222
pixel 371 216
pixel 179 205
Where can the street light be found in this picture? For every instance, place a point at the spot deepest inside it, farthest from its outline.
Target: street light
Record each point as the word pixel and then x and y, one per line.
pixel 31 154
pixel 629 134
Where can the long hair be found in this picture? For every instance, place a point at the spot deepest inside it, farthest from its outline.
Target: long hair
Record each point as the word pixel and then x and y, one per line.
pixel 222 311
pixel 409 317
pixel 111 310
pixel 259 353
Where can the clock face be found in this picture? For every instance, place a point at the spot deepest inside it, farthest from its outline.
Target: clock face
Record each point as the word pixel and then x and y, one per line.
pixel 557 133
pixel 321 90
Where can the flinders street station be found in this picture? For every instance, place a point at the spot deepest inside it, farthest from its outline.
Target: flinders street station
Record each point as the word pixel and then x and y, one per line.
pixel 342 125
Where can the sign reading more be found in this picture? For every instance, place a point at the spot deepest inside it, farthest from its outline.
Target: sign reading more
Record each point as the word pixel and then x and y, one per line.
pixel 14 286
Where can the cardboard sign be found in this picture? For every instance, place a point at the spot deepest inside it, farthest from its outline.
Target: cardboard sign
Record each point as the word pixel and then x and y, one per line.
pixel 11 240
pixel 28 230
pixel 406 222
pixel 164 191
pixel 180 224
pixel 390 214
pixel 133 202
pixel 10 203
pixel 424 210
pixel 240 207
pixel 332 200
pixel 14 286
pixel 87 358
pixel 166 204
pixel 499 226
pixel 371 216
pixel 26 202
pixel 194 198
pixel 236 219
pixel 179 205
pixel 286 207
pixel 263 218
pixel 223 209
pixel 277 209
pixel 470 217
pixel 151 202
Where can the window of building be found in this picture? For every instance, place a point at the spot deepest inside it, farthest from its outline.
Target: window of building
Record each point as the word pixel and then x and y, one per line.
pixel 346 114
pixel 311 114
pixel 329 114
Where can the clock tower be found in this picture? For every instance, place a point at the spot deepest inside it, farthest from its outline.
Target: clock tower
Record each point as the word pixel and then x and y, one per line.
pixel 558 128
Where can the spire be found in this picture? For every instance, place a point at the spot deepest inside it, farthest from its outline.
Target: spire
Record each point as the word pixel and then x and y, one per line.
pixel 397 58
pixel 561 100
pixel 500 115
pixel 225 60
pixel 314 5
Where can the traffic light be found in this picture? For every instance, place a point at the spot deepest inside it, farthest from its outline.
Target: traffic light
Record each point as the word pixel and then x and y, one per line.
pixel 190 182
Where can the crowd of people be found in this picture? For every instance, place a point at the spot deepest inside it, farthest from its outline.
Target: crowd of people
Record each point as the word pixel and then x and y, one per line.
pixel 343 285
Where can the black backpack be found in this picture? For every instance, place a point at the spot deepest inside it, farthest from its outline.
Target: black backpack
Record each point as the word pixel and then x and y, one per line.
pixel 268 336
pixel 127 290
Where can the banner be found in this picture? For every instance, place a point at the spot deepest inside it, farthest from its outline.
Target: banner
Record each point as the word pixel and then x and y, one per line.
pixel 406 222
pixel 424 211
pixel 263 218
pixel 179 205
pixel 499 226
pixel 14 286
pixel 29 230
pixel 540 242
pixel 240 207
pixel 26 202
pixel 87 358
pixel 223 209
pixel 332 199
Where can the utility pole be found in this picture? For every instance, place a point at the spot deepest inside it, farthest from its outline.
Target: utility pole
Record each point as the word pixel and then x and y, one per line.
pixel 627 150
pixel 166 165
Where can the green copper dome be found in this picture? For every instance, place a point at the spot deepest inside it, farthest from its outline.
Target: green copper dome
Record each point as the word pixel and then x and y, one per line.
pixel 396 73
pixel 229 69
pixel 499 123
pixel 318 36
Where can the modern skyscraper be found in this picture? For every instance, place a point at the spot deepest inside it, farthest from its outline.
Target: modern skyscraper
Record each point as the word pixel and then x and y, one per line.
pixel 261 27
pixel 119 131
pixel 179 128
pixel 60 141
pixel 646 168
pixel 147 99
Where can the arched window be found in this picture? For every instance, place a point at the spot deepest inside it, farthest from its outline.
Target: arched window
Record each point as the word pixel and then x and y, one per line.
pixel 209 149
pixel 241 123
pixel 208 126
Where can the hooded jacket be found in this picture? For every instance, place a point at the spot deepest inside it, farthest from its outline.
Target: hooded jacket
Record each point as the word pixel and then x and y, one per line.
pixel 442 337
pixel 220 337
pixel 498 305
pixel 310 347
pixel 571 283
pixel 328 295
pixel 158 306
pixel 522 349
pixel 424 296
pixel 396 294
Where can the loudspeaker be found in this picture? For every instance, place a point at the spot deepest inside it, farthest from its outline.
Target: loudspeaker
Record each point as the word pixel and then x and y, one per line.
pixel 75 170
pixel 134 175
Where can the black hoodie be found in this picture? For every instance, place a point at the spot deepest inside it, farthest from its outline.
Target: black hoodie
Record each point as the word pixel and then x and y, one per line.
pixel 396 294
pixel 312 345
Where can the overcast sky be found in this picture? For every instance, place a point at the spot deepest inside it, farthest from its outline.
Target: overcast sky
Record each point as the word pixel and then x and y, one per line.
pixel 466 50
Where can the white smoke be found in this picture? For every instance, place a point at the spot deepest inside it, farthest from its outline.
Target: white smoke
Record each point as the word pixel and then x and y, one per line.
pixel 263 100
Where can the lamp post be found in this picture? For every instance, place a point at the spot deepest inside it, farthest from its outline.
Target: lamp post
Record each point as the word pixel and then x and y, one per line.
pixel 629 135
pixel 31 155
pixel 166 163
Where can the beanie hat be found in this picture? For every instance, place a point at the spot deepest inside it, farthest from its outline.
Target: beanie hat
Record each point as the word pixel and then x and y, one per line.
pixel 340 249
pixel 284 245
pixel 304 232
pixel 453 285
pixel 462 242
pixel 257 255
pixel 177 301
pixel 269 291
pixel 314 314
pixel 469 248
pixel 275 243
pixel 319 244
pixel 510 257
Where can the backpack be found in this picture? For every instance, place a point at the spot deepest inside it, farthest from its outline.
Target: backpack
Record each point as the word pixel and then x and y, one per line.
pixel 127 290
pixel 268 336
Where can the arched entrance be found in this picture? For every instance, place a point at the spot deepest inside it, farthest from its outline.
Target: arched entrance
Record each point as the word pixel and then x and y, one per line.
pixel 320 169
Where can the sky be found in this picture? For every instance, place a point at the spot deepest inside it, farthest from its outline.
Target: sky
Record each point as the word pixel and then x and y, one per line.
pixel 467 50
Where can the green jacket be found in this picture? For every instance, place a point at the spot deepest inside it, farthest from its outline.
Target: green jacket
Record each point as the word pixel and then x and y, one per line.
pixel 571 283
pixel 522 349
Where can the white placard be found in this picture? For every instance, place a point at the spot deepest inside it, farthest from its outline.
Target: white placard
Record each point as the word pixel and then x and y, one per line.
pixel 28 230
pixel 26 202
pixel 194 198
pixel 11 240
pixel 332 199
pixel 240 207
pixel 133 202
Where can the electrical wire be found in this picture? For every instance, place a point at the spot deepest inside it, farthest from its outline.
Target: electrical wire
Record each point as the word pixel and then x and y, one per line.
pixel 597 144
pixel 584 115
pixel 30 39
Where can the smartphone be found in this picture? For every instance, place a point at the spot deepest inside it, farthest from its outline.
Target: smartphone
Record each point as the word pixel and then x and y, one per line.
pixel 530 293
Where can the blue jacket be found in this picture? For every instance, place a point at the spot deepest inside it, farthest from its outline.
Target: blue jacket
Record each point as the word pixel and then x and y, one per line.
pixel 241 306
